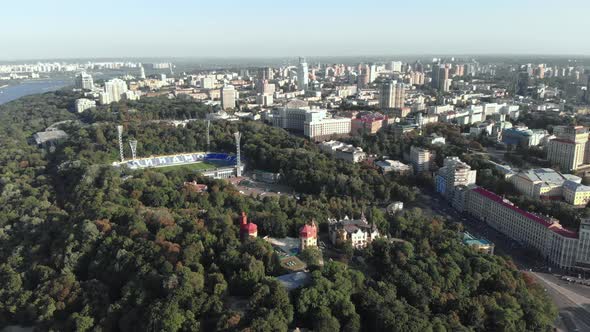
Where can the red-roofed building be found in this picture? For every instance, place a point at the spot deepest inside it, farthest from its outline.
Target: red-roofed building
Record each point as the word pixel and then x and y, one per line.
pixel 247 229
pixel 308 235
pixel 368 123
pixel 557 244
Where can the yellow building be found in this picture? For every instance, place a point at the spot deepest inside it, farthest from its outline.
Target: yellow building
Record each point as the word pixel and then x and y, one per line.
pixel 567 154
pixel 569 148
pixel 576 194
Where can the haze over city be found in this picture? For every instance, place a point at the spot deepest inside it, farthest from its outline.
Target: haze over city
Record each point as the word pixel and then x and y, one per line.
pixel 294 166
pixel 73 29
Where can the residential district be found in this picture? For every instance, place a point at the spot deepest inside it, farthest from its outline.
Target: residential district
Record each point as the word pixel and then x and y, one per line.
pixel 526 126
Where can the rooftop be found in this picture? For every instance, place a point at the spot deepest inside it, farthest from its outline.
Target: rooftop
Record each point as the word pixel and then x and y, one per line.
pixel 553 226
pixel 549 176
pixel 49 136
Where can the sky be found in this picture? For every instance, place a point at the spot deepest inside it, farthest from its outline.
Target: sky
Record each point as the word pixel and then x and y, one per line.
pixel 46 29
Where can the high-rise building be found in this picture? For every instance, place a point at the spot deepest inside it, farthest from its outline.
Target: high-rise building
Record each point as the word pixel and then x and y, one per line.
pixel 392 95
pixel 84 81
pixel 454 173
pixel 522 83
pixel 435 75
pixel 302 74
pixel 444 82
pixel 141 72
pixel 363 77
pixel 266 73
pixel 396 66
pixel 421 159
pixel 387 95
pixel 228 97
pixel 372 73
pixel 114 89
pixel 399 96
pixel 568 149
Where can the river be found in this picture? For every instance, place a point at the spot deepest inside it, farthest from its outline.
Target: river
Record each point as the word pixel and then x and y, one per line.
pixel 31 87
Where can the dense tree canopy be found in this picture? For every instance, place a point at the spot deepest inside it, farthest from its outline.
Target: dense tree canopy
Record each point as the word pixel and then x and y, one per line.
pixel 85 246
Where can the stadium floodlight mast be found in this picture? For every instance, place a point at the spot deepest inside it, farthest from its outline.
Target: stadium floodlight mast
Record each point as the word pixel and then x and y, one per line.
pixel 238 136
pixel 120 132
pixel 208 141
pixel 133 145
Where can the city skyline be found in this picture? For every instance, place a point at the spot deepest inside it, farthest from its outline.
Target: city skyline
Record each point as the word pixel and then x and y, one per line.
pixel 63 29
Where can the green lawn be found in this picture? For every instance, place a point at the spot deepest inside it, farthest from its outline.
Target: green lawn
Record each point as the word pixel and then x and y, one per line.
pixel 202 166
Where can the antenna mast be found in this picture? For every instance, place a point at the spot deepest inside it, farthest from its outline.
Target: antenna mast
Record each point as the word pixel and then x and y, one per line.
pixel 120 133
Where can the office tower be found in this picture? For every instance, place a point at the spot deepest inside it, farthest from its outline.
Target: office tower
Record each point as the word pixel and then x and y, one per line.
pixel 363 77
pixel 443 78
pixel 163 77
pixel 84 81
pixel 418 66
pixel 399 95
pixel 522 83
pixel 372 73
pixel 396 66
pixel 392 95
pixel 435 76
pixel 387 95
pixel 588 90
pixel 266 73
pixel 228 97
pixel 114 89
pixel 302 74
pixel 141 72
pixel 569 148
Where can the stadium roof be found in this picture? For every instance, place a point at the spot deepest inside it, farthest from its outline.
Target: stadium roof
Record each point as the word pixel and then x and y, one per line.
pixel 49 136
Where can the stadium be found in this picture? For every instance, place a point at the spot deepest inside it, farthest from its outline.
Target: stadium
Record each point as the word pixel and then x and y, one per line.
pixel 218 165
pixel 221 165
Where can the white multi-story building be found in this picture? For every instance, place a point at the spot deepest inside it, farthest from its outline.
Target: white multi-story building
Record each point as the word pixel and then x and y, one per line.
pixel 558 245
pixel 114 90
pixel 343 151
pixel 302 74
pixel 207 82
pixel 229 95
pixel 356 231
pixel 84 81
pixel 421 159
pixel 318 128
pixel 454 173
pixel 543 183
pixel 83 104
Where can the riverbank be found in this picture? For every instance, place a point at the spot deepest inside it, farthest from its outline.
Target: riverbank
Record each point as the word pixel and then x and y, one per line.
pixel 30 87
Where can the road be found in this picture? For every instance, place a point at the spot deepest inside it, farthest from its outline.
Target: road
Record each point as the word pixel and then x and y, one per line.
pixel 574 309
pixel 572 300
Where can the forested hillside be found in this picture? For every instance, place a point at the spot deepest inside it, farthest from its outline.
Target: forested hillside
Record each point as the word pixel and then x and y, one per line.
pixel 85 246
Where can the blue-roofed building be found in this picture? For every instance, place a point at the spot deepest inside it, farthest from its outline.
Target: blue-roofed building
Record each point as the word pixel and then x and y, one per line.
pixel 480 244
pixel 523 136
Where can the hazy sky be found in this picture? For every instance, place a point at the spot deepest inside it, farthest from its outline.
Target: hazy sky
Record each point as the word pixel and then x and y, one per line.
pixel 33 29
